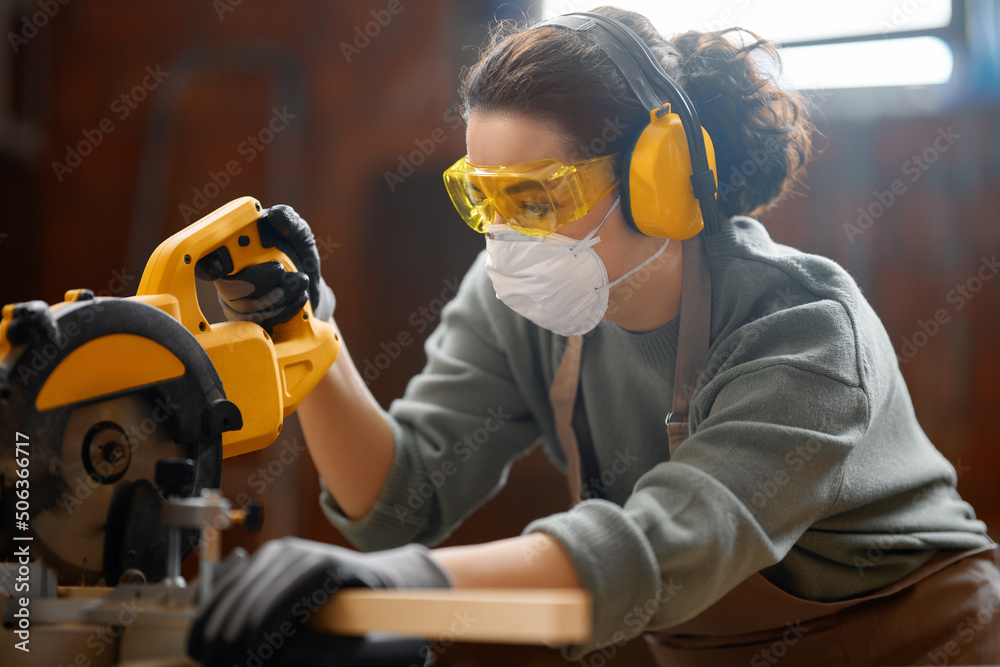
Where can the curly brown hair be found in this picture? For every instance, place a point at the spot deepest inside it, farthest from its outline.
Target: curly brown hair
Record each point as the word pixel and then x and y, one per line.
pixel 761 133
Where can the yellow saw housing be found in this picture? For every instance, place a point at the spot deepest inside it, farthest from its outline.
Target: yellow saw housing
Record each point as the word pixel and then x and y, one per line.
pixel 266 377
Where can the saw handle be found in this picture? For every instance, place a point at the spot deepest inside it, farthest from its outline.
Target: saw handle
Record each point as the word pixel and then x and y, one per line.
pixel 230 234
pixel 300 350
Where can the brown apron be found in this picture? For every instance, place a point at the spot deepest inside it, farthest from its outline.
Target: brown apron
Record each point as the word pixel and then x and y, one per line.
pixel 944 613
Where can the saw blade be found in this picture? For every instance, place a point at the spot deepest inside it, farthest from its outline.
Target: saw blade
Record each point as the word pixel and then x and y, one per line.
pixel 106 446
pixel 94 387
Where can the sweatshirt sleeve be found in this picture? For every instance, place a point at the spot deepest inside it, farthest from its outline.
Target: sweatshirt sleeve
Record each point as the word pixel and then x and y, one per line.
pixel 458 428
pixel 765 460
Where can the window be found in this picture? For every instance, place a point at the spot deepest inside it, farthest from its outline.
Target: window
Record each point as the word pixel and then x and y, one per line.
pixel 847 44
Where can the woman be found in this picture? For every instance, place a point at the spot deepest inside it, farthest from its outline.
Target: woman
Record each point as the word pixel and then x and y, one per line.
pixel 805 514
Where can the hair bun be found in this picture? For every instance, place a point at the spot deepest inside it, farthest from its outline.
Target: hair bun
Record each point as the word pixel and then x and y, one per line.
pixel 761 133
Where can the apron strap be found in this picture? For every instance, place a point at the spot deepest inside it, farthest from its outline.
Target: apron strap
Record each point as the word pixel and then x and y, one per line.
pixel 692 339
pixel 692 351
pixel 562 395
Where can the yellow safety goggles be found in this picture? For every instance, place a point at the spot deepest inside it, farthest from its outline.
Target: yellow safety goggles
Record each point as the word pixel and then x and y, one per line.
pixel 535 198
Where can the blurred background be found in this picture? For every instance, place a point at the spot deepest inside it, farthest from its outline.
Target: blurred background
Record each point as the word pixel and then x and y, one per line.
pixel 122 122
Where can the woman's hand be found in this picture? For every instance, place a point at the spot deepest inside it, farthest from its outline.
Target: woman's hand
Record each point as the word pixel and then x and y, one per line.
pixel 265 293
pixel 264 596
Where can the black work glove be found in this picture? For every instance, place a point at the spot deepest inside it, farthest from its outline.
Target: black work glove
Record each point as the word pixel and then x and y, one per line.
pixel 276 591
pixel 265 293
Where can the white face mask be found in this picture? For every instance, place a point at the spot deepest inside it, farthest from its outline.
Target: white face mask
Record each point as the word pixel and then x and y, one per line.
pixel 557 282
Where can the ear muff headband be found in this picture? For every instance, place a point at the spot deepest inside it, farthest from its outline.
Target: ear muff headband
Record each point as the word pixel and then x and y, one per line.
pixel 656 199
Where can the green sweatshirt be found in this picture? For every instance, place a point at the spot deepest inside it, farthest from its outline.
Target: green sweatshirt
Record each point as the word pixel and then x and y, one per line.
pixel 805 460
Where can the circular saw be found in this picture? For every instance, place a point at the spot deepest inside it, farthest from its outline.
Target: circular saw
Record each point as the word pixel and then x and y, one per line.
pixel 95 391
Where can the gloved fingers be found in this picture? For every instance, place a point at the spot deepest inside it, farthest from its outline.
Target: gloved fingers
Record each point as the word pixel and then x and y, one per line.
pixel 252 281
pixel 273 597
pixel 260 597
pixel 289 599
pixel 287 222
pixel 234 569
pixel 301 594
pixel 346 566
pixel 205 639
pixel 210 267
pixel 261 301
pixel 267 319
pixel 225 622
pixel 280 598
pixel 290 225
pixel 409 566
pixel 236 562
pixel 288 287
pixel 252 300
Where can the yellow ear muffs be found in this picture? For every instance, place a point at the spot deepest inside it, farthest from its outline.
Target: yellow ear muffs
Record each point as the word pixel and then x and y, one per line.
pixel 657 194
pixel 666 190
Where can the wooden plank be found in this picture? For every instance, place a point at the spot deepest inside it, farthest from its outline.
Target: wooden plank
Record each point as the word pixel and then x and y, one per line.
pixel 510 616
